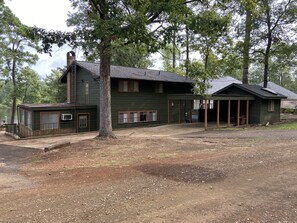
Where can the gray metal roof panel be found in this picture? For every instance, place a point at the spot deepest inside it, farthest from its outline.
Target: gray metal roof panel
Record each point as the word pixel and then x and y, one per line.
pixel 281 90
pixel 220 83
pixel 135 73
pixel 255 90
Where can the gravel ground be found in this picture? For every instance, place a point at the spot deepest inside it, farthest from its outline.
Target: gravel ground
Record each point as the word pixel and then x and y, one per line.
pixel 160 174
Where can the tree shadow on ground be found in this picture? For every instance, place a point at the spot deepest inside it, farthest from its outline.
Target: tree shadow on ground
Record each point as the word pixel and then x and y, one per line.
pixel 183 173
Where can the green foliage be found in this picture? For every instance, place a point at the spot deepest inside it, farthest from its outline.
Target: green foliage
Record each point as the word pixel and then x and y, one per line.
pixel 201 76
pixel 29 86
pixel 167 57
pixel 5 93
pixel 53 90
pixel 284 126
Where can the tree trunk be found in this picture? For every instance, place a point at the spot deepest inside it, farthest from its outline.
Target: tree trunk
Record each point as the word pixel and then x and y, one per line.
pixel 268 46
pixel 246 47
pixel 266 59
pixel 105 130
pixel 13 107
pixel 173 49
pixel 187 50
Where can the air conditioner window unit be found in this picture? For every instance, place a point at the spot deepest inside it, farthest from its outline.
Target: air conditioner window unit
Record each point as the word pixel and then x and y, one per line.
pixel 66 117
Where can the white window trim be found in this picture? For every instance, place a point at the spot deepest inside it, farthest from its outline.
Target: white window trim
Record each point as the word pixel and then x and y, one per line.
pixel 151 116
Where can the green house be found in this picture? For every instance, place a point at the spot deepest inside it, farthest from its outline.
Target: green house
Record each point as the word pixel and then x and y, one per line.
pixel 263 106
pixel 139 97
pixel 144 97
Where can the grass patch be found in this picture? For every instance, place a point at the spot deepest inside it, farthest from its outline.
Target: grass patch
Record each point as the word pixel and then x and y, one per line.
pixel 285 126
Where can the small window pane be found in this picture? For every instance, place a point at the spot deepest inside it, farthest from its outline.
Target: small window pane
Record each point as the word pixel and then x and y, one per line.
pixel 123 117
pixel 135 86
pixel 159 87
pixel 86 88
pixel 196 104
pixel 83 121
pixel 143 116
pixel 123 86
pixel 153 116
pixel 133 116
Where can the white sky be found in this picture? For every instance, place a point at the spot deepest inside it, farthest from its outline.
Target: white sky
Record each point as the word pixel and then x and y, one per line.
pixel 50 15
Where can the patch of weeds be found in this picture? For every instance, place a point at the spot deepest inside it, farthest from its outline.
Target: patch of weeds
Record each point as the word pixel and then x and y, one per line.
pixel 284 126
pixel 228 129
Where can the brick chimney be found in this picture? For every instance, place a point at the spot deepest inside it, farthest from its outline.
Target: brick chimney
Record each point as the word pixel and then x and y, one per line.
pixel 70 57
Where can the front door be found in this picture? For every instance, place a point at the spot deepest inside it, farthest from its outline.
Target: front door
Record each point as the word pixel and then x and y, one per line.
pixel 83 123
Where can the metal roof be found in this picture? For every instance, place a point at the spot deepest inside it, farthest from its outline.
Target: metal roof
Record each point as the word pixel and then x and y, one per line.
pixel 254 90
pixel 220 83
pixel 53 106
pixel 281 90
pixel 130 73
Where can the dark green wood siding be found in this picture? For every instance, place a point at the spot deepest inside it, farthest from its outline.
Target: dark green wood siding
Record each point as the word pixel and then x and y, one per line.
pixel 94 91
pixel 144 100
pixel 258 108
pixel 270 116
pixel 82 77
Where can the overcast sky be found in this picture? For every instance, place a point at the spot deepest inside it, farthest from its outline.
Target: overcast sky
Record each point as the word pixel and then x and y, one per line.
pixel 50 15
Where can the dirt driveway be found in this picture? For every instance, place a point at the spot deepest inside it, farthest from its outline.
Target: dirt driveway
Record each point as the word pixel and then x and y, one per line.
pixel 160 174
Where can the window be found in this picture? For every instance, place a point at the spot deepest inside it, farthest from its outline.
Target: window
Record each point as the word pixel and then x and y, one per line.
pixel 128 86
pixel 49 120
pixel 29 119
pixel 153 116
pixel 133 116
pixel 83 121
pixel 143 117
pixel 22 116
pixel 87 90
pixel 270 105
pixel 134 86
pixel 123 86
pixel 123 117
pixel 159 88
pixel 210 104
pixel 26 118
pixel 137 116
pixel 196 104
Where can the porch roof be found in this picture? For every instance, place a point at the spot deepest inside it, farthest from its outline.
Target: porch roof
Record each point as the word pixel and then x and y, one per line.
pixel 57 106
pixel 221 97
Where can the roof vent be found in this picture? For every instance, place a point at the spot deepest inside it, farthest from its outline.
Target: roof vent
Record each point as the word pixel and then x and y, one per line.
pixel 270 91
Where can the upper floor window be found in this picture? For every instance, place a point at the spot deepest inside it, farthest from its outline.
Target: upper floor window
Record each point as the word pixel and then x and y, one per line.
pixel 159 88
pixel 128 86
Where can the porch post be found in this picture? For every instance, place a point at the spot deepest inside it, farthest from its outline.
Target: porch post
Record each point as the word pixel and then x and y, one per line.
pixel 218 114
pixel 168 111
pixel 238 112
pixel 229 113
pixel 179 108
pixel 205 114
pixel 247 112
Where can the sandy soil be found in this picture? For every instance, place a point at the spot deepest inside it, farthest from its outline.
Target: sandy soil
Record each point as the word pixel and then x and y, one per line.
pixel 175 173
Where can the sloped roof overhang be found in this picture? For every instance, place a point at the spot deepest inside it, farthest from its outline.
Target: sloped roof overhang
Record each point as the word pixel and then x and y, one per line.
pixel 220 97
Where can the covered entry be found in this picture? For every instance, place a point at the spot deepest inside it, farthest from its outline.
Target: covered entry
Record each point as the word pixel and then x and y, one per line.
pixel 83 124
